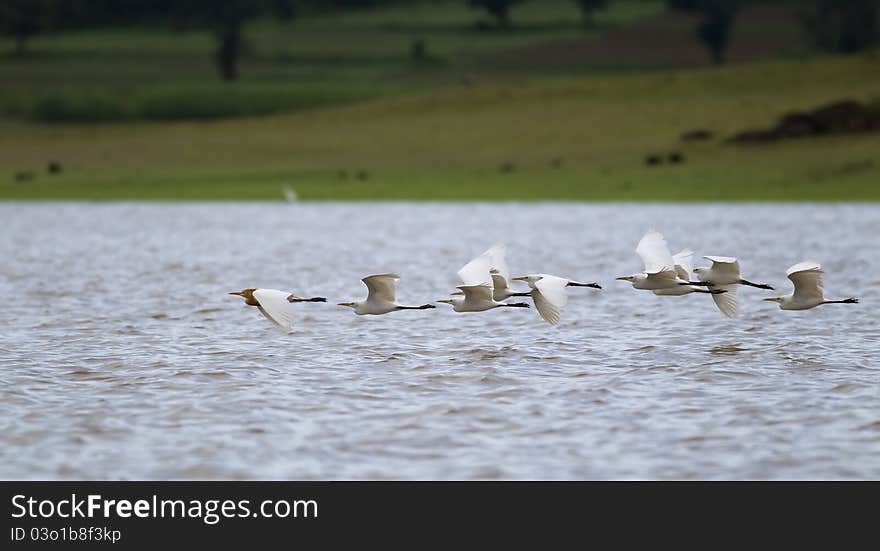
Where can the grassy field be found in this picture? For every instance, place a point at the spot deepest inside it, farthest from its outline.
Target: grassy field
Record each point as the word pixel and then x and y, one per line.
pixel 515 135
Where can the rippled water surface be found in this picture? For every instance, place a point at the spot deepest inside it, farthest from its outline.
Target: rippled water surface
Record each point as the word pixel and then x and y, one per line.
pixel 122 356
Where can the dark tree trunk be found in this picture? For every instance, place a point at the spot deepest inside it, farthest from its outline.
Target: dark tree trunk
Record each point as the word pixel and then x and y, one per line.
pixel 227 53
pixel 587 20
pixel 502 14
pixel 21 45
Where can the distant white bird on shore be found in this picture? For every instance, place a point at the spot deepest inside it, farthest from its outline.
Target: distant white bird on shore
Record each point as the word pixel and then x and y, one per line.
pixel 549 293
pixel 478 298
pixel 725 300
pixel 724 271
pixel 660 272
pixel 807 279
pixel 274 304
pixel 381 297
pixel 289 194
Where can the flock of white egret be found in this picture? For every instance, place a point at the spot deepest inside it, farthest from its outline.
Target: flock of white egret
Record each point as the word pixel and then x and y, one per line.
pixel 485 285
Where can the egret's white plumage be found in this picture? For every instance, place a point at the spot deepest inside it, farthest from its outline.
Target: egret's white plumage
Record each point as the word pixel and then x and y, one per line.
pixel 726 301
pixel 549 294
pixel 724 271
pixel 490 268
pixel 381 287
pixel 659 272
pixel 275 306
pixel 477 271
pixel 724 296
pixel 683 265
pixel 477 298
pixel 808 292
pixel 381 297
pixel 654 252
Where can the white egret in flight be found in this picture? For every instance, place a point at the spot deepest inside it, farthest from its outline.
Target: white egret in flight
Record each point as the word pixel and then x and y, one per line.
pixel 274 304
pixel 490 268
pixel 807 279
pixel 725 300
pixel 660 272
pixel 724 271
pixel 549 294
pixel 381 297
pixel 478 298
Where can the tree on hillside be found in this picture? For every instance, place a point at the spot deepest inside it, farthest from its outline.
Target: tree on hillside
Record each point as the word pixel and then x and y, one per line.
pixel 499 9
pixel 843 26
pixel 717 21
pixel 226 18
pixel 22 19
pixel 590 7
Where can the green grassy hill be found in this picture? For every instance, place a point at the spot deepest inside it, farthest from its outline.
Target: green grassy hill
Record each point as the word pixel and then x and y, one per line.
pixel 408 134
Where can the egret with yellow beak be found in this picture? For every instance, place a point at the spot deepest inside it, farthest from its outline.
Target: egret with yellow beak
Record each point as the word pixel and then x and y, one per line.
pixel 724 296
pixel 478 298
pixel 381 297
pixel 659 273
pixel 490 268
pixel 275 305
pixel 549 293
pixel 807 279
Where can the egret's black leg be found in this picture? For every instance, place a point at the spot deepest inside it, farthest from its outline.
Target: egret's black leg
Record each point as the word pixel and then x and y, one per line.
pixel 575 284
pixel 758 285
pixel 844 301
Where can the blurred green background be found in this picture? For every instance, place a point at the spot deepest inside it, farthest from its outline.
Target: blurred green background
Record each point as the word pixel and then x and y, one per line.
pixel 493 100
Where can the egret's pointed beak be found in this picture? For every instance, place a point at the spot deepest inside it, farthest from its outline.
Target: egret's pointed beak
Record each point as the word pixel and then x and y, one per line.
pixel 622 278
pixel 237 293
pixel 457 293
pixel 349 304
pixel 520 278
pixel 445 301
pixel 770 299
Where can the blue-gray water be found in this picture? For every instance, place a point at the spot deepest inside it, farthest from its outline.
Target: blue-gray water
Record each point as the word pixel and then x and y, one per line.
pixel 122 356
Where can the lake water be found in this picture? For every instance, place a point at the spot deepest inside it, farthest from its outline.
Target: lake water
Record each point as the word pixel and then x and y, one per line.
pixel 122 356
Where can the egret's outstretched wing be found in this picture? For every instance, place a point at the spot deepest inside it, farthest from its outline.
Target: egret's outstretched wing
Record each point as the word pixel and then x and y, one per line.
pixel 669 275
pixel 725 265
pixel 654 253
pixel 476 293
pixel 476 272
pixel 382 287
pixel 727 302
pixel 807 279
pixel 550 297
pixel 498 260
pixel 684 263
pixel 274 305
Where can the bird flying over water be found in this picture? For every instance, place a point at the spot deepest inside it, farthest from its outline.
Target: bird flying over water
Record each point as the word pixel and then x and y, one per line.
pixel 490 268
pixel 478 298
pixel 549 293
pixel 724 271
pixel 725 300
pixel 807 279
pixel 274 304
pixel 381 297
pixel 659 272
